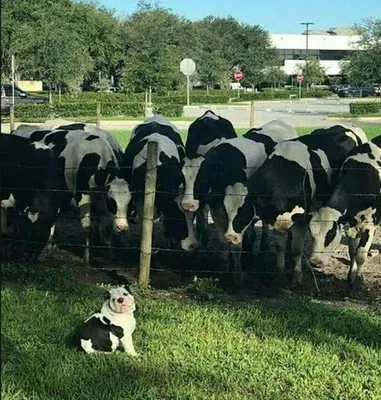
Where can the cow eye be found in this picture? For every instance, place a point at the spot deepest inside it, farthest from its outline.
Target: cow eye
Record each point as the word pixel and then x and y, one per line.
pixel 111 205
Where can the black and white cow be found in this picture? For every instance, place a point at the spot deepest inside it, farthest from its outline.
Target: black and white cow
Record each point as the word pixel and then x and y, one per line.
pixel 295 180
pixel 25 130
pixel 31 184
pixel 92 175
pixel 178 225
pixel 354 205
pixel 203 134
pixel 220 183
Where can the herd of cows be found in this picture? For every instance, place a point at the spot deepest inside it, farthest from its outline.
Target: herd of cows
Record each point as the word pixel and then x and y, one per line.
pixel 327 182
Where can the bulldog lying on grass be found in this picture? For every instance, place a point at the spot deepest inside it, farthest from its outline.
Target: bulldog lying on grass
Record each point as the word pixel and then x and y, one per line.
pixel 112 327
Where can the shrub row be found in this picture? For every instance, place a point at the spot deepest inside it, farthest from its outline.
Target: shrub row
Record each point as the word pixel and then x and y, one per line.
pixel 91 97
pixel 361 108
pixel 67 110
pixel 168 110
pixel 281 95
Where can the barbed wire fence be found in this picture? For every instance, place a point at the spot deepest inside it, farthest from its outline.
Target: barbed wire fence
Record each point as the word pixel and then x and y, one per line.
pixel 146 248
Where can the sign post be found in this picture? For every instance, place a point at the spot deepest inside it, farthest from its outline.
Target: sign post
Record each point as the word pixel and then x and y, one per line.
pixel 238 75
pixel 188 67
pixel 299 79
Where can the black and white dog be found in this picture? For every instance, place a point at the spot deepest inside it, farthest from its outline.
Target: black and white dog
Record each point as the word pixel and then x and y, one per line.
pixel 112 327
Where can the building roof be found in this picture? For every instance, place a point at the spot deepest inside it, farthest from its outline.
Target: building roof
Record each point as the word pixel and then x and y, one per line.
pixel 345 31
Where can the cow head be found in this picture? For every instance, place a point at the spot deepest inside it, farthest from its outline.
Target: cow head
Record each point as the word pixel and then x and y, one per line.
pixel 326 234
pixel 117 200
pixel 193 183
pixel 178 225
pixel 239 210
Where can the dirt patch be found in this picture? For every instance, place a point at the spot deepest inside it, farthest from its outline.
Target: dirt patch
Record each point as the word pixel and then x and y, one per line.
pixel 175 268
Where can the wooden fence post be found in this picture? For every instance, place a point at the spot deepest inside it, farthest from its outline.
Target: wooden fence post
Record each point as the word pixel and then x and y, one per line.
pixel 98 120
pixel 252 114
pixel 148 214
pixel 12 118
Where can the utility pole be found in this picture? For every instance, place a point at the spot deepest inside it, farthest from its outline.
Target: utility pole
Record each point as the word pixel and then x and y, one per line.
pixel 307 24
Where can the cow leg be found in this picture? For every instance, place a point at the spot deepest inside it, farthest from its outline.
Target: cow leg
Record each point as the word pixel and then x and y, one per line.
pixel 355 276
pixel 84 206
pixel 298 235
pixel 236 250
pixel 3 220
pixel 220 222
pixel 202 225
pixel 280 244
pixel 265 243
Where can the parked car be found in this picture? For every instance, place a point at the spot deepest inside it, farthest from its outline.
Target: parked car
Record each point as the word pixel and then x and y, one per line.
pixel 21 97
pixel 354 91
pixel 376 87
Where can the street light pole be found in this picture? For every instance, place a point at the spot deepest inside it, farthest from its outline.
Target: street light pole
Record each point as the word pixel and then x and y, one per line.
pixel 307 24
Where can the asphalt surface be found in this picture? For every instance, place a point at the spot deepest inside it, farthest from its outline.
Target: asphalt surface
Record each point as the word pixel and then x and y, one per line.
pixel 311 112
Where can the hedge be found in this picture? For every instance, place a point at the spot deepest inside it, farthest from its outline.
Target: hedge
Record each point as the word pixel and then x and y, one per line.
pixel 168 110
pixel 365 108
pixel 72 110
pixel 281 95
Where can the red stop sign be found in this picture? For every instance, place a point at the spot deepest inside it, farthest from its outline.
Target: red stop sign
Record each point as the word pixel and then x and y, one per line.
pixel 238 75
pixel 299 78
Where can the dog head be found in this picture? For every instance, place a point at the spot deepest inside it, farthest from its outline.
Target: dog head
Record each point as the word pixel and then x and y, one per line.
pixel 120 300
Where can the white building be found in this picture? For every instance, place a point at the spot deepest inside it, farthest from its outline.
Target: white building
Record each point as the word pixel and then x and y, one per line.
pixel 329 47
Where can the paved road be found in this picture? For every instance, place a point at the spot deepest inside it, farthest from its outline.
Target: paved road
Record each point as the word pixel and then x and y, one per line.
pixel 313 112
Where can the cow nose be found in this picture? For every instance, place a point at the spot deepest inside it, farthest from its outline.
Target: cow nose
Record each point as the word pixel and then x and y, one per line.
pixel 120 300
pixel 189 207
pixel 317 261
pixel 121 228
pixel 233 238
pixel 194 246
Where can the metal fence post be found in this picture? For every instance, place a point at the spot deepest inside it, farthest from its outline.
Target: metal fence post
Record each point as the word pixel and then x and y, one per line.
pixel 252 114
pixel 148 214
pixel 98 120
pixel 12 118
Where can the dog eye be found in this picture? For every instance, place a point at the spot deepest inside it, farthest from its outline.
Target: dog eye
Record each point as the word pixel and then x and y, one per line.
pixel 125 294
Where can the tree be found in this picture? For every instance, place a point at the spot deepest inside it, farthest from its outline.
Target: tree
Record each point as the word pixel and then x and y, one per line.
pixel 363 66
pixel 275 76
pixel 257 54
pixel 151 48
pixel 313 72
pixel 50 48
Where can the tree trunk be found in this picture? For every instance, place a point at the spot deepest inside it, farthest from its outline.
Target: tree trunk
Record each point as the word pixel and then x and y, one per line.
pixel 207 90
pixel 59 94
pixel 50 93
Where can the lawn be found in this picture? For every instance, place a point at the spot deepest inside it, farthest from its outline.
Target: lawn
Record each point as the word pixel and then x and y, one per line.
pixel 124 135
pixel 227 348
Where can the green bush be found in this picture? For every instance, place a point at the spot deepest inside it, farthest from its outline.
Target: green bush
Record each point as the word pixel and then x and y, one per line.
pixel 285 94
pixel 27 112
pixel 365 108
pixel 91 97
pixel 168 109
pixel 194 98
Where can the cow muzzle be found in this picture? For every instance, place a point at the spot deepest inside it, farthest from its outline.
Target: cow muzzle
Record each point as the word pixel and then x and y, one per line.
pixel 319 260
pixel 233 238
pixel 190 206
pixel 121 228
pixel 189 245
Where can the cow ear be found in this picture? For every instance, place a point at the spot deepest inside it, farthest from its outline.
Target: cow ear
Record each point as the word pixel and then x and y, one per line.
pixel 301 218
pixel 342 220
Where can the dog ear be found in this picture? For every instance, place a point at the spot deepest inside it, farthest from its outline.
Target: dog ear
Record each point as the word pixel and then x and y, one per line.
pixel 107 295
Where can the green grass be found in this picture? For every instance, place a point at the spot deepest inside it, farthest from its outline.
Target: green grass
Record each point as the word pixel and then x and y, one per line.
pixel 287 348
pixel 123 135
pixel 349 115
